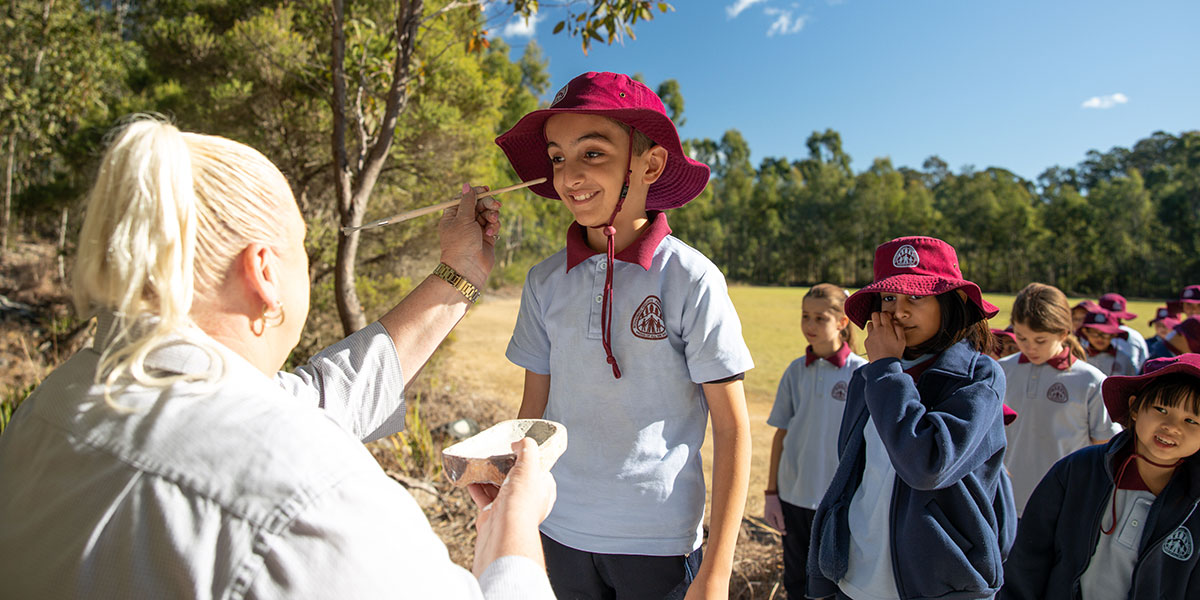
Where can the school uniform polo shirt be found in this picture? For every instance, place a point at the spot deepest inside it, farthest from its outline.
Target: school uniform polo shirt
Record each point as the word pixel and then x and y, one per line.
pixel 1138 349
pixel 1114 361
pixel 1062 410
pixel 1109 574
pixel 631 479
pixel 809 405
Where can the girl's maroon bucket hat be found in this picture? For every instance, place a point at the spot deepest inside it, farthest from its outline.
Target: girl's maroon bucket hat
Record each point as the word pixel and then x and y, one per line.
pixel 1115 304
pixel 617 97
pixel 1190 295
pixel 1103 321
pixel 1118 388
pixel 915 266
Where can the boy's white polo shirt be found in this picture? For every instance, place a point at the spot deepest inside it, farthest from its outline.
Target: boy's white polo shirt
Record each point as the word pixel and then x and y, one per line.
pixel 631 479
pixel 1062 410
pixel 809 405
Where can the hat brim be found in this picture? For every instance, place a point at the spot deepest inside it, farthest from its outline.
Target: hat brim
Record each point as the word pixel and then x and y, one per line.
pixel 1118 388
pixel 1103 328
pixel 858 305
pixel 1126 315
pixel 682 179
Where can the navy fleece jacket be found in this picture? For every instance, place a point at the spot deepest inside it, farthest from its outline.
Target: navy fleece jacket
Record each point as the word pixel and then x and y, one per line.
pixel 1062 522
pixel 952 512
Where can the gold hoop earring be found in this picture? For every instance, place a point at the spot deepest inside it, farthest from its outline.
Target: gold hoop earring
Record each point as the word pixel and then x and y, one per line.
pixel 273 318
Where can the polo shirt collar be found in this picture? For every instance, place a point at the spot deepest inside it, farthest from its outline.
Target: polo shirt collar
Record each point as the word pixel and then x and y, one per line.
pixel 640 252
pixel 837 359
pixel 1111 350
pixel 1061 361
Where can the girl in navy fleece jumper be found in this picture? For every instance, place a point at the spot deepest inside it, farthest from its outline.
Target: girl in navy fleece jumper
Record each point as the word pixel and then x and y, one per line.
pixel 1119 521
pixel 920 505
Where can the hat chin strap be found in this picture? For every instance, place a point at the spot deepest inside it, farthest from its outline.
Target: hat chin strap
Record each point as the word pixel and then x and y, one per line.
pixel 1121 473
pixel 610 233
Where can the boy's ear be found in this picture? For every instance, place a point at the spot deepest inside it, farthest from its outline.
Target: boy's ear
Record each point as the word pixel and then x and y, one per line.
pixel 656 162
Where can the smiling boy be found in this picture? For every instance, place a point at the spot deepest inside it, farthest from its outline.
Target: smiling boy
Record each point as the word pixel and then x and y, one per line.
pixel 629 338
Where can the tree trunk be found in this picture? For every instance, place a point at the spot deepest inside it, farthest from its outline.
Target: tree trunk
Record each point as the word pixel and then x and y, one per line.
pixel 353 190
pixel 62 247
pixel 8 191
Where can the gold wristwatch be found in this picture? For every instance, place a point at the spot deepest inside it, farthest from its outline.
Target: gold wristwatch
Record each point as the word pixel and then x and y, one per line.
pixel 450 276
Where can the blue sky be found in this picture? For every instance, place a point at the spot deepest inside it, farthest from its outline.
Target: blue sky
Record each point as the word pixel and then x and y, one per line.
pixel 1019 84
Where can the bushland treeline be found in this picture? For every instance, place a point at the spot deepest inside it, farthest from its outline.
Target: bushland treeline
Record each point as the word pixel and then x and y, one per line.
pixel 1125 220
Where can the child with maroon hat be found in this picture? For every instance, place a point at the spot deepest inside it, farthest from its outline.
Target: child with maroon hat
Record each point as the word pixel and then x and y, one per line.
pixel 629 338
pixel 1004 343
pixel 1120 520
pixel 1164 322
pixel 1116 304
pixel 1054 388
pixel 920 505
pixel 1185 337
pixel 1101 330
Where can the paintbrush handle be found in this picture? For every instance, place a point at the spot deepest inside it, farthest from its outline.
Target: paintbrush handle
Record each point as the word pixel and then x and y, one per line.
pixel 420 212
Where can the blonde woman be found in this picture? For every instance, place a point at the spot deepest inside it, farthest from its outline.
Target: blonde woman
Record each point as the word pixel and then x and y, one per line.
pixel 172 459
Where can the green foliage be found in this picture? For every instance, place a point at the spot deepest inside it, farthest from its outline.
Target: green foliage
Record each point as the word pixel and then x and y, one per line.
pixel 9 403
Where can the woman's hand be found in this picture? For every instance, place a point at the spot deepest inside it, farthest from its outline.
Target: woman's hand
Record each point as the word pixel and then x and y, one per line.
pixel 467 235
pixel 885 337
pixel 509 516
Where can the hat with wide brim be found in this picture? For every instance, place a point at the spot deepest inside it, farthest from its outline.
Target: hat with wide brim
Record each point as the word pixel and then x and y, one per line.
pixel 622 99
pixel 1118 388
pixel 1101 320
pixel 1116 304
pixel 915 266
pixel 1004 333
pixel 1166 317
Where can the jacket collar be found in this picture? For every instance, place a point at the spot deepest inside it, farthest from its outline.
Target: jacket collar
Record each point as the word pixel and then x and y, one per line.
pixel 956 361
pixel 640 252
pixel 1190 467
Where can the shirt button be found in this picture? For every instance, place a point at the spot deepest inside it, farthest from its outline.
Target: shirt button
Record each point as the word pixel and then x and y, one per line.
pixel 603 265
pixel 1134 523
pixel 599 298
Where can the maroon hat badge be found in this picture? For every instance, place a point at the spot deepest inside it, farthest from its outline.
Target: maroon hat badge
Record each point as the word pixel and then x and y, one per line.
pixel 917 266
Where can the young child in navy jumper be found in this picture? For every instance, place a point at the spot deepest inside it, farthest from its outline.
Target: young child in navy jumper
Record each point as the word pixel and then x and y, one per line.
pixel 807 413
pixel 1101 330
pixel 920 505
pixel 1116 304
pixel 1120 521
pixel 1053 387
pixel 629 338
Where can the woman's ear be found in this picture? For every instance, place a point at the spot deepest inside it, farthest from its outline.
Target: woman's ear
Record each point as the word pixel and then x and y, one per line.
pixel 656 162
pixel 260 274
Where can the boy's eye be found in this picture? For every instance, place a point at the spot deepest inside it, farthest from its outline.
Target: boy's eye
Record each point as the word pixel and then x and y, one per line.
pixel 556 159
pixel 1161 410
pixel 1191 421
pixel 916 298
pixel 593 154
pixel 888 298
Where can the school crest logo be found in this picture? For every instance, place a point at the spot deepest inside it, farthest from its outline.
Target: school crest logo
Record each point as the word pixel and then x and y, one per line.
pixel 1058 393
pixel 1178 545
pixel 906 257
pixel 648 322
pixel 839 391
pixel 560 95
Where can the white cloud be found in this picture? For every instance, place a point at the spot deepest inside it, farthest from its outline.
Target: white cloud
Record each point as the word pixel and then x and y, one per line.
pixel 1108 101
pixel 785 22
pixel 735 9
pixel 521 27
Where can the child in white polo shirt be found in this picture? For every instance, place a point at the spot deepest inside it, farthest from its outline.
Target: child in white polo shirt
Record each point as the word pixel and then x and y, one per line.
pixel 1137 348
pixel 1102 332
pixel 1054 389
pixel 807 413
pixel 629 338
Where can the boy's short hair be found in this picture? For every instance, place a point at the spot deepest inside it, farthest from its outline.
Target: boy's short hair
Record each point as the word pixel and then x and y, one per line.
pixel 1171 391
pixel 641 142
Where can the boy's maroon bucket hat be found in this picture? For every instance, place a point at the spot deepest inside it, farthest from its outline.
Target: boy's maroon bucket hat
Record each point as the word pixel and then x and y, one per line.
pixel 1118 388
pixel 617 97
pixel 1190 295
pixel 1103 321
pixel 915 266
pixel 1087 305
pixel 1115 304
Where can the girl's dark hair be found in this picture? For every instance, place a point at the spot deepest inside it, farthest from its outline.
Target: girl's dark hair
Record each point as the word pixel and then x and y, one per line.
pixel 1171 391
pixel 1042 307
pixel 837 299
pixel 961 320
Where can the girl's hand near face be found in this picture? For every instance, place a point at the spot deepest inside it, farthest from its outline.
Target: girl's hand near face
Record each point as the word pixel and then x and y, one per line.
pixel 885 337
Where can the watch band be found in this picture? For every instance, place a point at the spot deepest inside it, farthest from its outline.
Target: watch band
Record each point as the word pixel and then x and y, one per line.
pixel 450 276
